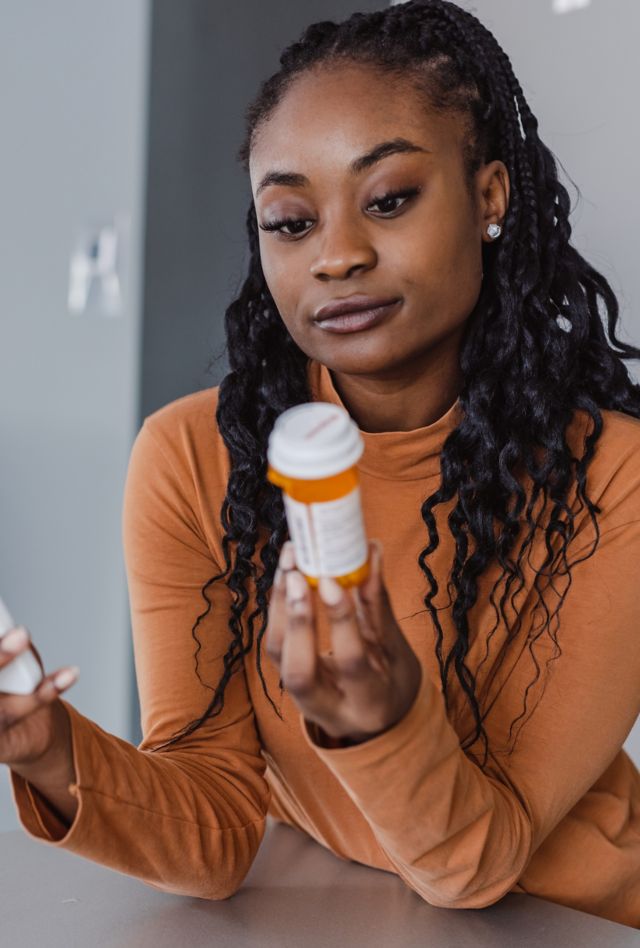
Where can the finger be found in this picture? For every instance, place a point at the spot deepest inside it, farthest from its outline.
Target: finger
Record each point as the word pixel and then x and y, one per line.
pixel 16 707
pixel 347 642
pixel 274 633
pixel 368 617
pixel 374 597
pixel 12 643
pixel 368 597
pixel 371 588
pixel 299 656
pixel 377 654
pixel 61 680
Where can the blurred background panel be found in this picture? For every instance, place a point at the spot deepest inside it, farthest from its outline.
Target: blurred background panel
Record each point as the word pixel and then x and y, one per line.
pixel 122 120
pixel 73 100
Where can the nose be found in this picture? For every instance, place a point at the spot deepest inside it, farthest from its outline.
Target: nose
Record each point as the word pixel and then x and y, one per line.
pixel 344 251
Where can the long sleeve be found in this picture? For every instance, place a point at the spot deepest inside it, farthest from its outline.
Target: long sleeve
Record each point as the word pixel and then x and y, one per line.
pixel 187 819
pixel 461 836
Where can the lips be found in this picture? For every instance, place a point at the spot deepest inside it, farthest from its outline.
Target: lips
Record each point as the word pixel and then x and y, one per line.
pixel 358 303
pixel 349 316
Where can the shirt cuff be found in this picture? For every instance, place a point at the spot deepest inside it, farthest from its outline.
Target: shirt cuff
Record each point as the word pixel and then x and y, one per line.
pixel 382 775
pixel 34 813
pixel 377 747
pixel 36 817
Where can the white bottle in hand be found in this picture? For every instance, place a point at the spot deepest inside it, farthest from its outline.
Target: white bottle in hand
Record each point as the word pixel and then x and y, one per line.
pixel 23 673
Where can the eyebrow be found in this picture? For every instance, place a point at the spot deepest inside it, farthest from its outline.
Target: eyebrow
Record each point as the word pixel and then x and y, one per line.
pixel 357 166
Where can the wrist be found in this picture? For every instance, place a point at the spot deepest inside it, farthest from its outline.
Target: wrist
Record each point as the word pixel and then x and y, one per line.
pixel 55 764
pixel 326 741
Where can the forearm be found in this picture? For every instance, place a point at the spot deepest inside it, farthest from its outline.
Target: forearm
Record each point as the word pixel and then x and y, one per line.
pixel 456 836
pixel 189 821
pixel 52 773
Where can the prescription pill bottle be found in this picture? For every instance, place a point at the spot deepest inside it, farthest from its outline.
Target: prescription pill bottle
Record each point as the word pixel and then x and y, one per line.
pixel 312 455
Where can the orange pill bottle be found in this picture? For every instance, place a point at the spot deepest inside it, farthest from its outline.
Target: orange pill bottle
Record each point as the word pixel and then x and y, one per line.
pixel 312 455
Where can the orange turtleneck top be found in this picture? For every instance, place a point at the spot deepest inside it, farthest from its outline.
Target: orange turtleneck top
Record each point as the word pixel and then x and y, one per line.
pixel 558 817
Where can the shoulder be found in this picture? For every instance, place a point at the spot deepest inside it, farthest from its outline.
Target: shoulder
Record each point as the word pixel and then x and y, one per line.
pixel 186 433
pixel 177 474
pixel 618 447
pixel 613 475
pixel 194 413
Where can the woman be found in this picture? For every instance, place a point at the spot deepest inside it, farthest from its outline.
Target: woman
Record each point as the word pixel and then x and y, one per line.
pixel 460 719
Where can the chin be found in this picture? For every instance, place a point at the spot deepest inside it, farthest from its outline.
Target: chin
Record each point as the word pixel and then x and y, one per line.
pixel 359 359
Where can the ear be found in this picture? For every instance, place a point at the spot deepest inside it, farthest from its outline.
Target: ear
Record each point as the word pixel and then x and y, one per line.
pixel 493 189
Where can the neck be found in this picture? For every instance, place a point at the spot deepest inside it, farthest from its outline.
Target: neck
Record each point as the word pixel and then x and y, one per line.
pixel 407 397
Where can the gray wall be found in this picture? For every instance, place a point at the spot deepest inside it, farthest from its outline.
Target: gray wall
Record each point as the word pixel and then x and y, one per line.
pixel 73 105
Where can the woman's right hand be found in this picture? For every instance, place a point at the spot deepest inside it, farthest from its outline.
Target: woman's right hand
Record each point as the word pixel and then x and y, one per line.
pixel 30 724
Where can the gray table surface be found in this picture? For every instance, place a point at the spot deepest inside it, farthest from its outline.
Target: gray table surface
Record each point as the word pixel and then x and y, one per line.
pixel 296 894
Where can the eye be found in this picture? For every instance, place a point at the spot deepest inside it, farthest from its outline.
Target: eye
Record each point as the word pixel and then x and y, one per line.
pixel 390 196
pixel 283 222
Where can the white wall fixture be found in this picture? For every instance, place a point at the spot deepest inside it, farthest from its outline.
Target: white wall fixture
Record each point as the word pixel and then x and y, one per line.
pixel 568 6
pixel 95 278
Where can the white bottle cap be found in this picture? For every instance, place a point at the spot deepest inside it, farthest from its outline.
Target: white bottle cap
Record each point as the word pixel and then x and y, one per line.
pixel 317 439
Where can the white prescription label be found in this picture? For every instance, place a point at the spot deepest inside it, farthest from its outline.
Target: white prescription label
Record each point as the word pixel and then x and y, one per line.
pixel 329 536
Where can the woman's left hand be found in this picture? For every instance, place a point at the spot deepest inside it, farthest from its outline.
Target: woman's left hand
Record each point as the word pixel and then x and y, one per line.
pixel 372 677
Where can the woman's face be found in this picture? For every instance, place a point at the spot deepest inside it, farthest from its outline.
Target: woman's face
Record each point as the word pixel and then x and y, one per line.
pixel 422 248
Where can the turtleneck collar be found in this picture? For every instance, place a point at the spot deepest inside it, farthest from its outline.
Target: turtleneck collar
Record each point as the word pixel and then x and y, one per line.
pixel 392 455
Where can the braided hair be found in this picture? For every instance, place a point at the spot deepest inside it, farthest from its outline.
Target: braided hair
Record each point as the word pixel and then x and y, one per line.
pixel 534 348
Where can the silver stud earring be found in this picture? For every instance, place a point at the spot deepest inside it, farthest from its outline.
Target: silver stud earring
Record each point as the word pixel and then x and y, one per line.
pixel 494 230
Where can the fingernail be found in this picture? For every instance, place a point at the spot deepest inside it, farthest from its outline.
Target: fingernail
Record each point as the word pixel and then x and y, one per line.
pixel 13 641
pixel 330 591
pixel 287 556
pixel 67 677
pixel 296 586
pixel 277 577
